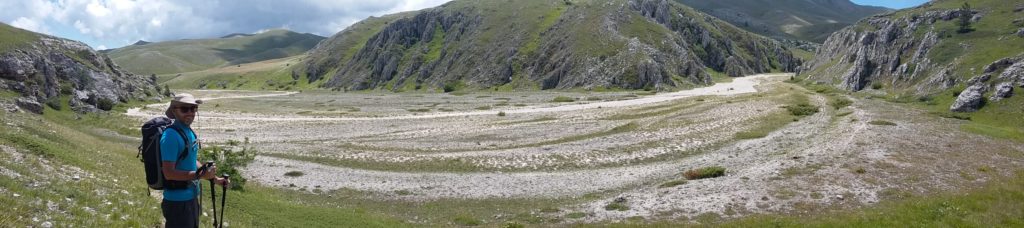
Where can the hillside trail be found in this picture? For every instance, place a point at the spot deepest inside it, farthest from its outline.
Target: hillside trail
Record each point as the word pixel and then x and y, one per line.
pixel 740 85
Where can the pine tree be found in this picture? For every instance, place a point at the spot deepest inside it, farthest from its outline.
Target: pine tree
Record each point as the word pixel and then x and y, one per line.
pixel 965 18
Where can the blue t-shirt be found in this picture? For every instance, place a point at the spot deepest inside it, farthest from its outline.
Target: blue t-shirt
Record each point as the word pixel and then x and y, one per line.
pixel 171 145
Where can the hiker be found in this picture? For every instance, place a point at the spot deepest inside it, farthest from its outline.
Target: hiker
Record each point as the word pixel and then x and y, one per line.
pixel 181 204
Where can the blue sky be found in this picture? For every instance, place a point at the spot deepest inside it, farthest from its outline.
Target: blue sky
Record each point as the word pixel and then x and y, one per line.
pixel 107 24
pixel 895 4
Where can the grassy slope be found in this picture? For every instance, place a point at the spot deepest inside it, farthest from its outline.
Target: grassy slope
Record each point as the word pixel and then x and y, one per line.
pixel 816 18
pixel 58 140
pixel 193 55
pixel 12 37
pixel 274 74
pixel 990 41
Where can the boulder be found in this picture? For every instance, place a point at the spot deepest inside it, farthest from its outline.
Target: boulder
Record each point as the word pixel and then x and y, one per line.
pixel 1020 32
pixel 970 100
pixel 30 105
pixel 1014 74
pixel 1003 90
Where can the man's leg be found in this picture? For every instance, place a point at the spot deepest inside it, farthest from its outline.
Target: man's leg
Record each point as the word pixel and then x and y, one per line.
pixel 181 213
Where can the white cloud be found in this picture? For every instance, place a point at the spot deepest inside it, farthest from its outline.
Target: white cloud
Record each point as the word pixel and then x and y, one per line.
pixel 102 47
pixel 115 21
pixel 29 24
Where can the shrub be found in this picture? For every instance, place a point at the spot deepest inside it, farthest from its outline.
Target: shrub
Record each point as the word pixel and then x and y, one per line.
pixel 105 104
pixel 230 159
pixel 563 99
pixel 706 172
pixel 876 85
pixel 616 206
pixel 882 122
pixel 501 113
pixel 802 109
pixel 55 103
pixel 839 102
pixel 294 173
pixel 672 184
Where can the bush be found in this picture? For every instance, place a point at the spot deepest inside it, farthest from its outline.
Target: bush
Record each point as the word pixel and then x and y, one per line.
pixel 672 184
pixel 451 87
pixel 294 173
pixel 230 159
pixel 839 102
pixel 802 109
pixel 616 206
pixel 876 85
pixel 882 122
pixel 706 172
pixel 501 114
pixel 105 104
pixel 55 103
pixel 563 99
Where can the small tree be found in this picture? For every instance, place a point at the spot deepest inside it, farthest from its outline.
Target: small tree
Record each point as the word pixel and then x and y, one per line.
pixel 965 18
pixel 167 90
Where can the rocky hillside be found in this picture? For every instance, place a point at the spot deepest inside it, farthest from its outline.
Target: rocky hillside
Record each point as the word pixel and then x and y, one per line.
pixel 61 73
pixel 539 44
pixel 201 54
pixel 806 20
pixel 923 51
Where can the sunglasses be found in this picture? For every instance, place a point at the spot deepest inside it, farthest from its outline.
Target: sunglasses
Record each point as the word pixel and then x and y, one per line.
pixel 188 109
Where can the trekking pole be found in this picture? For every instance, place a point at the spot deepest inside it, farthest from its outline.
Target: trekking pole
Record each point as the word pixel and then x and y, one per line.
pixel 223 198
pixel 213 195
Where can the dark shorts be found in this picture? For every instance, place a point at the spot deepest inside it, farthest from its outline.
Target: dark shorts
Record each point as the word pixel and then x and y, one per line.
pixel 181 213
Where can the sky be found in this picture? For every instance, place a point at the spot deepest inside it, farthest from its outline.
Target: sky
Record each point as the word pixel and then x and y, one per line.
pixel 893 4
pixel 105 24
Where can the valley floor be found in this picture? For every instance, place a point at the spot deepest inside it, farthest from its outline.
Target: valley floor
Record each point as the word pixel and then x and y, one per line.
pixel 604 156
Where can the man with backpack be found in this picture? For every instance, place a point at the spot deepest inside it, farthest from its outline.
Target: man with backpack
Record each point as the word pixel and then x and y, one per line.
pixel 180 166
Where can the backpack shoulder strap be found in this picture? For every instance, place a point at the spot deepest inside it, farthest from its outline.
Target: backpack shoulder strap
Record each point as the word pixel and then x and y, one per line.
pixel 184 138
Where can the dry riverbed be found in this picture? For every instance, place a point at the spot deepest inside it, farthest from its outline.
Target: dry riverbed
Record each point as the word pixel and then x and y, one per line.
pixel 607 155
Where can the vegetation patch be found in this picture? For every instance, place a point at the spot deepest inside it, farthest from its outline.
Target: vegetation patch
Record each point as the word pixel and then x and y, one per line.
pixel 294 173
pixel 882 123
pixel 703 173
pixel 563 99
pixel 802 109
pixel 672 183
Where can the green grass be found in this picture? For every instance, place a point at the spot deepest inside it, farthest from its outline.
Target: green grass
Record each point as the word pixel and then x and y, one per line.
pixel 563 99
pixel 673 183
pixel 703 173
pixel 12 37
pixel 435 45
pixel 200 54
pixel 882 123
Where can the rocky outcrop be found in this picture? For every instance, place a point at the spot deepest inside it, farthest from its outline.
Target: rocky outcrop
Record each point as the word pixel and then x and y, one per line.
pixel 471 43
pixel 1020 32
pixel 971 99
pixel 51 67
pixel 885 49
pixel 1003 90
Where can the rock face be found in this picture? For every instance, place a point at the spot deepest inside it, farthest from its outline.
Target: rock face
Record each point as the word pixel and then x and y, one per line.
pixel 535 44
pixel 884 49
pixel 46 68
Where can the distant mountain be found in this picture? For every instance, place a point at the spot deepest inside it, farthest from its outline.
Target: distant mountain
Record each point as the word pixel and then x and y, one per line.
pixel 921 54
pixel 807 20
pixel 201 54
pixel 62 73
pixel 542 44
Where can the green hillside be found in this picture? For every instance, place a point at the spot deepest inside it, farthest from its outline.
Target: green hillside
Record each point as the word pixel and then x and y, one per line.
pixel 12 37
pixel 807 20
pixel 490 44
pixel 194 55
pixel 920 56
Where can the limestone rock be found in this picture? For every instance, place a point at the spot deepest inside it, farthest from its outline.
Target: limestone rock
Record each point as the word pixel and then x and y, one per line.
pixel 970 100
pixel 1003 90
pixel 30 105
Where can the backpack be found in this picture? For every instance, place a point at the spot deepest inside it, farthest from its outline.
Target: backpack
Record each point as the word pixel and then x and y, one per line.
pixel 149 150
